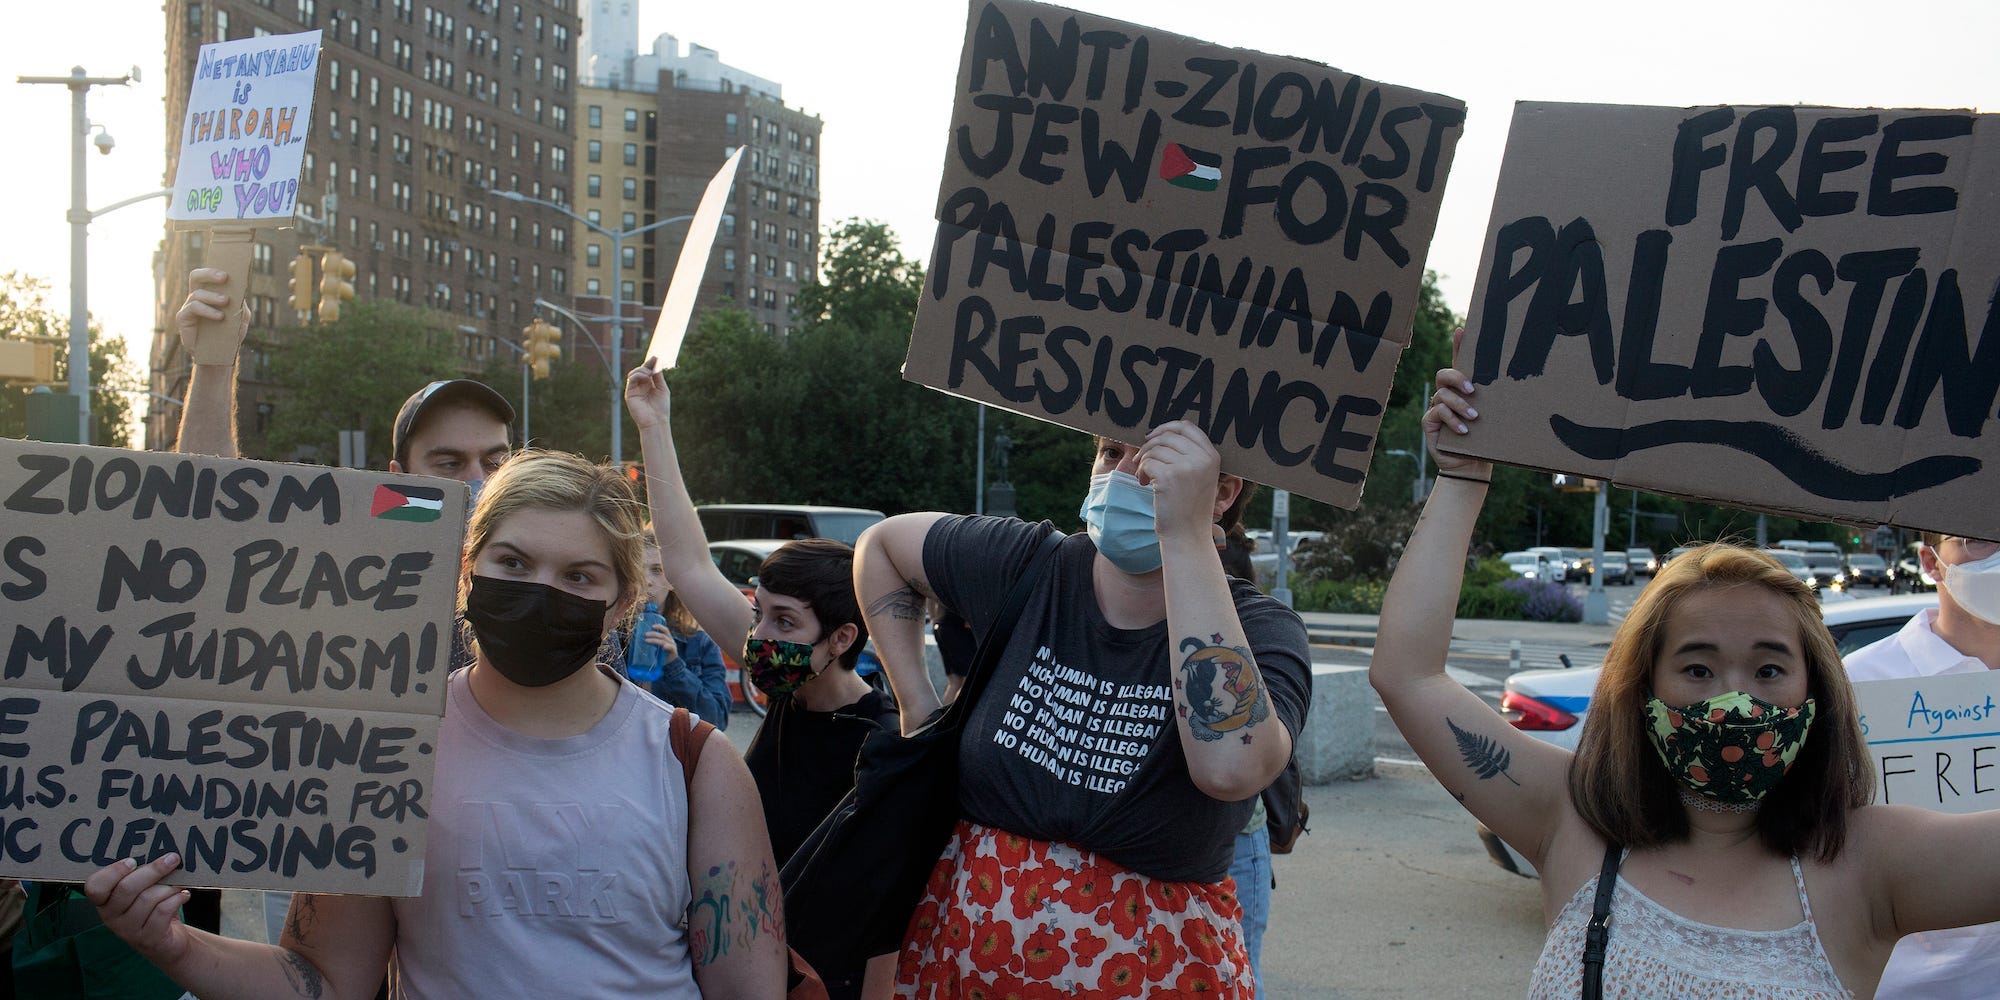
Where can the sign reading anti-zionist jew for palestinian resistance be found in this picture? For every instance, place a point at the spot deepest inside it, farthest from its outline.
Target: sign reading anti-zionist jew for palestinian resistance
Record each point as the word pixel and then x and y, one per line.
pixel 1783 308
pixel 243 141
pixel 241 662
pixel 1136 227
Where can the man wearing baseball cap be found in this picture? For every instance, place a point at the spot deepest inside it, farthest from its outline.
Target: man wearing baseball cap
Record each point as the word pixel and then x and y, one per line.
pixel 456 429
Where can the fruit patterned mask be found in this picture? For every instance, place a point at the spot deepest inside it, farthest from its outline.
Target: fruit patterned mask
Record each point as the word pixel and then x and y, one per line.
pixel 1731 748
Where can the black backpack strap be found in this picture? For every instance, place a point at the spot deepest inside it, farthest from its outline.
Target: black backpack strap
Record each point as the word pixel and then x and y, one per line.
pixel 1598 933
pixel 994 639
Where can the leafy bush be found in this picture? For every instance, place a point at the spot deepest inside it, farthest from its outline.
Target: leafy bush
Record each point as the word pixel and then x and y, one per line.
pixel 1364 545
pixel 1491 600
pixel 1546 601
pixel 1350 596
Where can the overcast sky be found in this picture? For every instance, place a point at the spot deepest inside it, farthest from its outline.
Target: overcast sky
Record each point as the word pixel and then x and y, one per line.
pixel 880 74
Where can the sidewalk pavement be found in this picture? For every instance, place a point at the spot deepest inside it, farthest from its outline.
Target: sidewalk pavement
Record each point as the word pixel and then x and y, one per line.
pixel 1392 896
pixel 1359 630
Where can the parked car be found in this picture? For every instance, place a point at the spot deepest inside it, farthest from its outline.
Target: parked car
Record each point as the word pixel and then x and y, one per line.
pixel 1569 563
pixel 1642 561
pixel 1909 577
pixel 1530 565
pixel 1796 562
pixel 1576 565
pixel 1829 571
pixel 1616 572
pixel 740 558
pixel 1551 705
pixel 1265 559
pixel 726 521
pixel 1866 569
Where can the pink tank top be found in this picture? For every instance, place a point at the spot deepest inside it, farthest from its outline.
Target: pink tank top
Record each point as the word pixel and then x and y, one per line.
pixel 554 867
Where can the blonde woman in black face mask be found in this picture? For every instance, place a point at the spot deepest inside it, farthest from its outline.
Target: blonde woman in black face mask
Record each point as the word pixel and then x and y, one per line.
pixel 547 759
pixel 1719 795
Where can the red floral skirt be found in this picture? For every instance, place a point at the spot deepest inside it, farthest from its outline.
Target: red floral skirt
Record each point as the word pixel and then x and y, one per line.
pixel 1005 917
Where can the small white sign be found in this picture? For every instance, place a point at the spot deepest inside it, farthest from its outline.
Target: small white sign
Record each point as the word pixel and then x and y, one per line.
pixel 1936 740
pixel 243 139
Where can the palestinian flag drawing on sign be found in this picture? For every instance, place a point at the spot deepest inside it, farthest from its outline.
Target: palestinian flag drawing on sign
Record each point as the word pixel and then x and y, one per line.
pixel 1188 167
pixel 408 503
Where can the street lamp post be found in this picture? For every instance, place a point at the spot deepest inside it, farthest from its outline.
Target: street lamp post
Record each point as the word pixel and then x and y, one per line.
pixel 617 238
pixel 79 83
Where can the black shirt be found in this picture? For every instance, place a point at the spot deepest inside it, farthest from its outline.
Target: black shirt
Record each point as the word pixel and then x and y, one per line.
pixel 803 762
pixel 1073 738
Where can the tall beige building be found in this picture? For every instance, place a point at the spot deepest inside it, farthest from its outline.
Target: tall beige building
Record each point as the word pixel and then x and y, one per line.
pixel 652 130
pixel 426 108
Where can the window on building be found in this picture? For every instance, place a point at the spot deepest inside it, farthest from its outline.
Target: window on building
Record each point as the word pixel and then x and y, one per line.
pixel 596 217
pixel 630 257
pixel 595 116
pixel 631 154
pixel 729 223
pixel 728 259
pixel 594 151
pixel 729 123
pixel 593 186
pixel 625 291
pixel 631 119
pixel 593 255
pixel 631 187
pixel 591 286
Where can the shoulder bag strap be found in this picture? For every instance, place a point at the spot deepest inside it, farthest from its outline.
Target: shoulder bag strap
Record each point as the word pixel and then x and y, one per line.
pixel 687 737
pixel 1598 933
pixel 1001 627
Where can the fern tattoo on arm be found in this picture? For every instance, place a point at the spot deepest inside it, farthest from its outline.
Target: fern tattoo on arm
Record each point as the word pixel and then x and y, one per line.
pixel 1485 757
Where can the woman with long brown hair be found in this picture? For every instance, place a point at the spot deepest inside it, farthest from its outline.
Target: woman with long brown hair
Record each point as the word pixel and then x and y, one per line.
pixel 1716 811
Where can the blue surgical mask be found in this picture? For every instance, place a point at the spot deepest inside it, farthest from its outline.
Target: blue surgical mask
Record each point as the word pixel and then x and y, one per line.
pixel 1119 514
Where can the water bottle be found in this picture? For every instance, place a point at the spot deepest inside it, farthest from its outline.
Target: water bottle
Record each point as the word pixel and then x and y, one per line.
pixel 643 660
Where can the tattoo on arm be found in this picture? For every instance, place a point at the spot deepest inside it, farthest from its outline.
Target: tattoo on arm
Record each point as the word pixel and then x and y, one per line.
pixel 1482 754
pixel 1225 692
pixel 303 977
pixel 304 916
pixel 904 604
pixel 727 914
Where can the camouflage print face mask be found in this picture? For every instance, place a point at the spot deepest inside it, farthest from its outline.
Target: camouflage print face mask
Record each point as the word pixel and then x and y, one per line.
pixel 1731 748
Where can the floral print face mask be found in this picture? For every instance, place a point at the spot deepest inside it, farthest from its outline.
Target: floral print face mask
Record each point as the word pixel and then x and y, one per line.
pixel 1731 748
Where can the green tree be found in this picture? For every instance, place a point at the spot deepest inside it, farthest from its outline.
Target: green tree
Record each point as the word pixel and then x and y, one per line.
pixel 569 410
pixel 25 312
pixel 352 374
pixel 823 415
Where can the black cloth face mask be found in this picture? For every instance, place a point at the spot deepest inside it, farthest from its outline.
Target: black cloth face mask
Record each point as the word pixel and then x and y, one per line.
pixel 534 634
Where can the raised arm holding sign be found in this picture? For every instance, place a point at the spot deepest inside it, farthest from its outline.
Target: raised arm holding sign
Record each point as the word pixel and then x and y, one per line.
pixel 1136 227
pixel 242 149
pixel 1722 781
pixel 1788 309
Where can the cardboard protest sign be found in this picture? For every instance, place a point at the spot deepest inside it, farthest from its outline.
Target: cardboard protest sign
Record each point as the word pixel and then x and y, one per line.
pixel 1136 226
pixel 240 661
pixel 1934 739
pixel 243 143
pixel 1789 309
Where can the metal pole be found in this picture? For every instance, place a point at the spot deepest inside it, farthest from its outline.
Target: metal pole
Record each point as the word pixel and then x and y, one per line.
pixel 1597 605
pixel 1281 526
pixel 79 256
pixel 1632 529
pixel 524 403
pixel 979 467
pixel 617 348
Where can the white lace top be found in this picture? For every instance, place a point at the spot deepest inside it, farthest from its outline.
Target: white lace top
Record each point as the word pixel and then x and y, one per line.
pixel 1655 952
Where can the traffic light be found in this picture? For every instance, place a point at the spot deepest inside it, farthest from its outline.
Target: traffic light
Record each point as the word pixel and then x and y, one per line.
pixel 541 343
pixel 335 284
pixel 302 283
